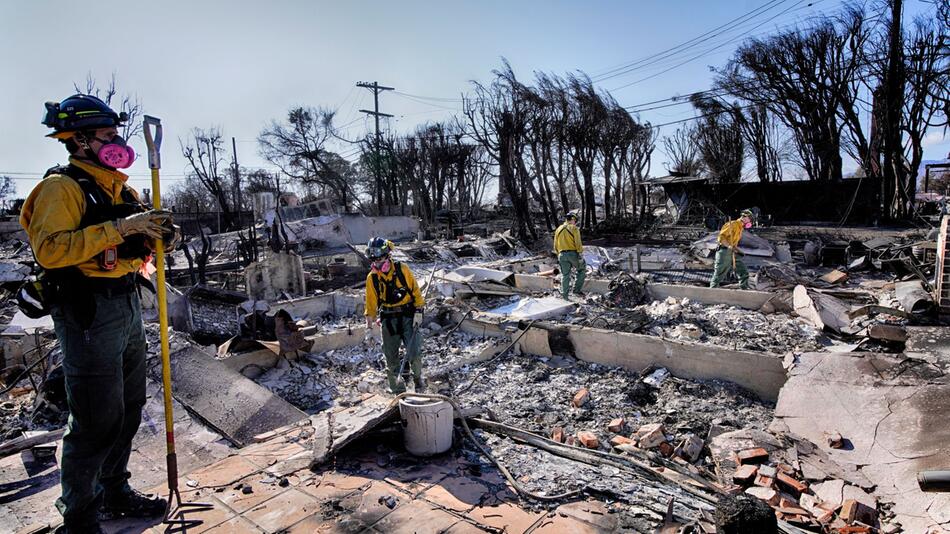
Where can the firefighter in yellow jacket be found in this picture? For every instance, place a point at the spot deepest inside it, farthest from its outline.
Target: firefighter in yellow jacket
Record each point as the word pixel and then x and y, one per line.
pixel 394 302
pixel 570 255
pixel 727 256
pixel 90 234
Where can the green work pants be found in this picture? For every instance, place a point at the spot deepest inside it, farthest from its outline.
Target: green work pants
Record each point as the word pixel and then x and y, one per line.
pixel 728 259
pixel 104 364
pixel 569 260
pixel 397 331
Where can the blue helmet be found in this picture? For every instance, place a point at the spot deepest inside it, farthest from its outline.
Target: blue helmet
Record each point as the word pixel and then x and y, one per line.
pixel 80 112
pixel 378 248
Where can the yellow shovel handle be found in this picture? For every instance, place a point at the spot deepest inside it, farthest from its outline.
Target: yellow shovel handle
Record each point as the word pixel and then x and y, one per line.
pixel 153 142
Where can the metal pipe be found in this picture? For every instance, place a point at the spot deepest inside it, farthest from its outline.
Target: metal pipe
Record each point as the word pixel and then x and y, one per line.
pixel 934 481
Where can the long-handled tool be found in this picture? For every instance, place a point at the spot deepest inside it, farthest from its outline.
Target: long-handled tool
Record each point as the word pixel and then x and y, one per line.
pixel 174 512
pixel 415 331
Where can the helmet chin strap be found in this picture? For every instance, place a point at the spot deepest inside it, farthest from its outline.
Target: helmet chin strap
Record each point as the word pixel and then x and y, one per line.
pixel 83 142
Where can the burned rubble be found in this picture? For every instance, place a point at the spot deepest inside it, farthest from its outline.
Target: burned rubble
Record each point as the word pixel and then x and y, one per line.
pixel 647 435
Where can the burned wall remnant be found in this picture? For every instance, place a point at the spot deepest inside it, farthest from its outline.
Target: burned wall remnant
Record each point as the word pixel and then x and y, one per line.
pixel 274 276
pixel 212 312
pixel 854 200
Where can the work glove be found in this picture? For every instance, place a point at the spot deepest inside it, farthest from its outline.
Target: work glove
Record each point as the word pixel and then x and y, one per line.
pixel 149 223
pixel 171 238
pixel 417 319
pixel 371 322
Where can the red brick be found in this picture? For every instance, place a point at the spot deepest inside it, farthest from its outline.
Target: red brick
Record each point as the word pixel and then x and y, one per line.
pixel 757 455
pixel 791 510
pixel 588 439
pixel 581 398
pixel 558 434
pixel 854 529
pixel 745 474
pixel 787 501
pixel 616 425
pixel 852 510
pixel 791 483
pixel 766 494
pixel 764 481
pixel 815 506
pixel 620 440
pixel 785 468
pixel 666 449
pixel 827 517
pixel 730 489
pixel 651 435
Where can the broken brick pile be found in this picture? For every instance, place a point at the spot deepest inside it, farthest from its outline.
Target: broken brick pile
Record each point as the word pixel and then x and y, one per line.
pixel 779 485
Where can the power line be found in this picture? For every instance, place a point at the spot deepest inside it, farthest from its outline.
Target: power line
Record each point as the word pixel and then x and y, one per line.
pixel 711 34
pixel 693 58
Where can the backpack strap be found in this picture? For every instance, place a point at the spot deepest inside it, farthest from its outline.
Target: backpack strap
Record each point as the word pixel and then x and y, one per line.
pixel 379 289
pixel 399 276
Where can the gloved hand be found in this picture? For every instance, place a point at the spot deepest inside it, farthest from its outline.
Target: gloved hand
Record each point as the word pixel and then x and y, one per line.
pixel 149 223
pixel 171 238
pixel 417 319
pixel 371 322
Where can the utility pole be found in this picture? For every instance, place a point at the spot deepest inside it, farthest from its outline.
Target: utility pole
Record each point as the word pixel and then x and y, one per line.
pixel 237 182
pixel 893 81
pixel 376 88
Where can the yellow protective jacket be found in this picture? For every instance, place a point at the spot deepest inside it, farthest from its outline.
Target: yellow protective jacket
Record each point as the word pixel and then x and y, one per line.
pixel 731 233
pixel 51 217
pixel 568 237
pixel 373 299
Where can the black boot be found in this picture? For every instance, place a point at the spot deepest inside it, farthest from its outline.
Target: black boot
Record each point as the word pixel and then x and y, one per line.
pixel 132 503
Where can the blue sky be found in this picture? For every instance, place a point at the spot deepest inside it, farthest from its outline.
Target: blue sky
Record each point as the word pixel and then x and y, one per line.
pixel 239 64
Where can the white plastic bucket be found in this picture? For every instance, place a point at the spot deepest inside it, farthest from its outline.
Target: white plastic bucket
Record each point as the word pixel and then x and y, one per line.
pixel 428 425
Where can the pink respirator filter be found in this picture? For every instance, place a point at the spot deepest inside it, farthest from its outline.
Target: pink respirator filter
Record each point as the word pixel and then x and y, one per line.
pixel 116 156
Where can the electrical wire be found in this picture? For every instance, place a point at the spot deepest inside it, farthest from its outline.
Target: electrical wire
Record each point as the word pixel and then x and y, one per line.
pixel 621 69
pixel 698 56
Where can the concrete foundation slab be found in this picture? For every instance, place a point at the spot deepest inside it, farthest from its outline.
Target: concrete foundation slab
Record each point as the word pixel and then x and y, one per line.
pixel 891 410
